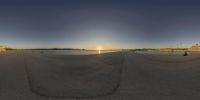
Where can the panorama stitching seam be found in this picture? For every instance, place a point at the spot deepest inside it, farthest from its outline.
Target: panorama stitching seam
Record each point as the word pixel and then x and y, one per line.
pixel 75 97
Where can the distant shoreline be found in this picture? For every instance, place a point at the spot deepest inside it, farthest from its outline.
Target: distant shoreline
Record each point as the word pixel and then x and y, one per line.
pixel 54 49
pixel 70 49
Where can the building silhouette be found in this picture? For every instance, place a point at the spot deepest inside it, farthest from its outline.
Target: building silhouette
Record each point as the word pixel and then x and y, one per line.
pixel 195 48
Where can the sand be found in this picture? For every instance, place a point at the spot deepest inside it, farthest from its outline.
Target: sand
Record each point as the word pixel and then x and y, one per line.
pixel 27 75
pixel 75 76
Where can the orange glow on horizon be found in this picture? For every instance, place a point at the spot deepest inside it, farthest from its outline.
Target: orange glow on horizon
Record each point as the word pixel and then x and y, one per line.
pixel 99 49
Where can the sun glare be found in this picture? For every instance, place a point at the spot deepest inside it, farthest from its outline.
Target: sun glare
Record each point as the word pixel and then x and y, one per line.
pixel 99 49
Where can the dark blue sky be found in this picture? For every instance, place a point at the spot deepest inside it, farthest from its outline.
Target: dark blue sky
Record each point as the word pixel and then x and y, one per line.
pixel 89 23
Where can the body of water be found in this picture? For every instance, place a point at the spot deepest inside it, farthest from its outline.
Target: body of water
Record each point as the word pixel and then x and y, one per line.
pixel 72 52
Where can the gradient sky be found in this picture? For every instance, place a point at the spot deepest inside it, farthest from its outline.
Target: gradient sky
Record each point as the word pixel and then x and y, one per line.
pixel 109 23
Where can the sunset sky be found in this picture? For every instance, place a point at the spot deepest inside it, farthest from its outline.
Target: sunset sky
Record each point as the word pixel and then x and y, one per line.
pixel 92 23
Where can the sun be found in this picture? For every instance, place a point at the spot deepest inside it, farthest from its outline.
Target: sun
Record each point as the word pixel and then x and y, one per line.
pixel 99 48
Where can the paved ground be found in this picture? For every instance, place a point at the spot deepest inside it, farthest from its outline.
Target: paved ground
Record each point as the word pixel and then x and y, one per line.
pixel 143 78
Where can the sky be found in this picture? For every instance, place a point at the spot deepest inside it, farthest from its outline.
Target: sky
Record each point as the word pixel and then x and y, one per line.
pixel 107 23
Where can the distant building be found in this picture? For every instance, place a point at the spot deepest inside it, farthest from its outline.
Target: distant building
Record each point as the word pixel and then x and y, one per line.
pixel 2 48
pixel 195 48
